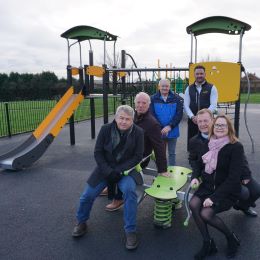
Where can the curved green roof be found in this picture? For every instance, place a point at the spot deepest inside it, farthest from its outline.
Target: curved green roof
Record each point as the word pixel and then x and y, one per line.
pixel 84 32
pixel 218 24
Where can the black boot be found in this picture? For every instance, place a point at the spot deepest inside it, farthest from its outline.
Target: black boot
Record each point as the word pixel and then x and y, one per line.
pixel 233 244
pixel 208 248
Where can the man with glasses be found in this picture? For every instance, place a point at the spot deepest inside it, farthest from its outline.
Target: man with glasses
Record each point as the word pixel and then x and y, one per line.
pixel 199 146
pixel 199 95
pixel 167 108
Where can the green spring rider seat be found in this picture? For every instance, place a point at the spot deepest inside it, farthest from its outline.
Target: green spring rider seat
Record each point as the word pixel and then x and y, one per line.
pixel 164 191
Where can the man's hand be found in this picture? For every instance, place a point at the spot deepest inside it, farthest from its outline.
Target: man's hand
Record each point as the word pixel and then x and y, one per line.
pixel 194 119
pixel 195 183
pixel 246 181
pixel 207 203
pixel 165 174
pixel 166 130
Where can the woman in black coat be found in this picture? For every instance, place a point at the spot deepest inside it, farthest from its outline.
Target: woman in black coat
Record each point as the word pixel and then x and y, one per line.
pixel 220 187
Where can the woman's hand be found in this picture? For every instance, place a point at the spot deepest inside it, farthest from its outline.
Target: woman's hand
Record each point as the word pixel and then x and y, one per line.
pixel 207 203
pixel 195 183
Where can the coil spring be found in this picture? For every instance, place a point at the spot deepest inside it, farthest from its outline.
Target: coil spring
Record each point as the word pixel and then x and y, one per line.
pixel 163 213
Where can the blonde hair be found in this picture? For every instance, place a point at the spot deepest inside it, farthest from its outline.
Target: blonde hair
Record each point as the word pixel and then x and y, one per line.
pixel 205 110
pixel 231 131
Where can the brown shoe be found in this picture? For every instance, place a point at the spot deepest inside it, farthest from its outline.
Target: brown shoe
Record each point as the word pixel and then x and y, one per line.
pixel 131 241
pixel 104 192
pixel 79 230
pixel 115 205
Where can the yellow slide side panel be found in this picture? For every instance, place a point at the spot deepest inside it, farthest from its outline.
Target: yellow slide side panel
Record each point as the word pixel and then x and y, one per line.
pixel 65 117
pixel 95 71
pixel 224 75
pixel 38 132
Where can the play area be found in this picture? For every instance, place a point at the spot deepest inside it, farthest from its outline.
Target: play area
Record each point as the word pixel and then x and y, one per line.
pixel 42 173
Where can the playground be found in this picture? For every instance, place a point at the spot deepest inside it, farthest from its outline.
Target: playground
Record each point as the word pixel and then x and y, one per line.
pixel 38 208
pixel 43 173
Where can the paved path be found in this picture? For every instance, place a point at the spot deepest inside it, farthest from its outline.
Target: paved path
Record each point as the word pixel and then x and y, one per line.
pixel 37 208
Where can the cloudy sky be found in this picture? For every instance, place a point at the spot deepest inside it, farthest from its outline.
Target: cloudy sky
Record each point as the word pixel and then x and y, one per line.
pixel 149 30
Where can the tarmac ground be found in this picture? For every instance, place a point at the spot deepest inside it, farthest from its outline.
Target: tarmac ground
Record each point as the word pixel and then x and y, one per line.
pixel 38 205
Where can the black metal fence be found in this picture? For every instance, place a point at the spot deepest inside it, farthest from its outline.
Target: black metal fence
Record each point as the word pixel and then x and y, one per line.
pixel 25 116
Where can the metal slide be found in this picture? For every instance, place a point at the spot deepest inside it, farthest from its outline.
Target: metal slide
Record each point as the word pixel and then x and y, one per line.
pixel 33 148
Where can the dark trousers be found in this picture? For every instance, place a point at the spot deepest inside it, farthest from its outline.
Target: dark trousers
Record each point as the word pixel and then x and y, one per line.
pixel 254 193
pixel 192 131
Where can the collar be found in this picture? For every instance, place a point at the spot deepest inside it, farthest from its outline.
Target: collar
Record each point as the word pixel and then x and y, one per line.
pixel 200 85
pixel 205 136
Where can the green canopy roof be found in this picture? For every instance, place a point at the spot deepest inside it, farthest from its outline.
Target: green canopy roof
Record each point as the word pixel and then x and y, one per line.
pixel 217 24
pixel 83 32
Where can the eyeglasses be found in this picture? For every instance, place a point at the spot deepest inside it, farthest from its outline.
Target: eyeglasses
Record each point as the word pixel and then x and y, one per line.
pixel 220 126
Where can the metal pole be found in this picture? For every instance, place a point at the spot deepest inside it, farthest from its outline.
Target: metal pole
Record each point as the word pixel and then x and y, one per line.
pixel 92 100
pixel 8 120
pixel 123 64
pixel 114 83
pixel 68 52
pixel 71 120
pixel 191 49
pixel 237 114
pixel 195 49
pixel 114 54
pixel 80 56
pixel 91 78
pixel 105 94
pixel 105 50
pixel 240 45
pixel 92 117
pixel 85 90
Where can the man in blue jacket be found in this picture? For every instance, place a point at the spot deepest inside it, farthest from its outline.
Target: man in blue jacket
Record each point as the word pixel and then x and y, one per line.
pixel 167 108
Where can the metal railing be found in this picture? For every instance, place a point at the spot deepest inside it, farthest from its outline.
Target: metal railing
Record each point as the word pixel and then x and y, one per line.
pixel 18 117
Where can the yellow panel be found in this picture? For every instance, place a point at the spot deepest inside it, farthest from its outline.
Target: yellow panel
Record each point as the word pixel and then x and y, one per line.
pixel 121 74
pixel 95 71
pixel 74 71
pixel 224 75
pixel 63 120
pixel 38 132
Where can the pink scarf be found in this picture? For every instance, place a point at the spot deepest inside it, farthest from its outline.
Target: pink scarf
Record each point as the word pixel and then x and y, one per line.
pixel 211 157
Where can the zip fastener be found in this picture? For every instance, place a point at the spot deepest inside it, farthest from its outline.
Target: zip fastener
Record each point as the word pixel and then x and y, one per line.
pixel 215 172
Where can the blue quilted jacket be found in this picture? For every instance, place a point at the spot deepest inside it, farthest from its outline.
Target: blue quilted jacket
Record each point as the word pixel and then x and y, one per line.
pixel 168 112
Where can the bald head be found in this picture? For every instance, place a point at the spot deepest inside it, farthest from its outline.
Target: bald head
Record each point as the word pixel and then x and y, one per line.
pixel 142 103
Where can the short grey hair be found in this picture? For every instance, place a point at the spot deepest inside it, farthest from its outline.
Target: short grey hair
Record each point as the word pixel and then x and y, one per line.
pixel 126 109
pixel 143 94
pixel 164 81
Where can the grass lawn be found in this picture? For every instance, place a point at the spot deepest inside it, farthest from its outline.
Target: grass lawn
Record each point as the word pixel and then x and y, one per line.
pixel 25 116
pixel 253 99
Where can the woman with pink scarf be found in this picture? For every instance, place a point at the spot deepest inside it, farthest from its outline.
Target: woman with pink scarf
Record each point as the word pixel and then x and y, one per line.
pixel 221 168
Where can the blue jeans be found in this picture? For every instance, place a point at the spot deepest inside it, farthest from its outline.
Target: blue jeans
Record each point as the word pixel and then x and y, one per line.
pixel 171 143
pixel 127 185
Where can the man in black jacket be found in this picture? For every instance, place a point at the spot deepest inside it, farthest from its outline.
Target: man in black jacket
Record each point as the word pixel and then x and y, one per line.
pixel 152 141
pixel 199 146
pixel 119 147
